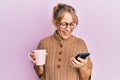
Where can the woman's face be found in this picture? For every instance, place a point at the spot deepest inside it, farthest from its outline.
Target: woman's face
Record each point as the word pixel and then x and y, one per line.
pixel 65 27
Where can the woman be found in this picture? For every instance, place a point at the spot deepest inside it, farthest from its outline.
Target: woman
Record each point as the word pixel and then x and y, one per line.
pixel 62 47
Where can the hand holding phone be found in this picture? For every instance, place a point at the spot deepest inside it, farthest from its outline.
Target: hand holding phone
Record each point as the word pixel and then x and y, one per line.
pixel 82 55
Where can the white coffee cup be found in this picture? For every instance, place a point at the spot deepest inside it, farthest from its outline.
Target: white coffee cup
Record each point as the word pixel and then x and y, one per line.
pixel 40 56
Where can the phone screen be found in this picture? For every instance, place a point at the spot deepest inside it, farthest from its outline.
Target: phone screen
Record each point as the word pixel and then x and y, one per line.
pixel 82 55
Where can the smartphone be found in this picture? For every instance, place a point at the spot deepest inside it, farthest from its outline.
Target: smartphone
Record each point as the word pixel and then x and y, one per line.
pixel 82 55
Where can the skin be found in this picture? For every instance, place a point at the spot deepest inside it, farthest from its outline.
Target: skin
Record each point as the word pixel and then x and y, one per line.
pixel 65 33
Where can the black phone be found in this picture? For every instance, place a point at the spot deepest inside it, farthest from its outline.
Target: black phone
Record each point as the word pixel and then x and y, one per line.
pixel 82 55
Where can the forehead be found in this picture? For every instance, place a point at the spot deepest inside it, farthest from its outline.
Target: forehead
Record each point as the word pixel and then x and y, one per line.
pixel 67 18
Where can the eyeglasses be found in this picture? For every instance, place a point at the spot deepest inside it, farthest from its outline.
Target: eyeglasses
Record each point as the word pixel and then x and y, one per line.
pixel 65 25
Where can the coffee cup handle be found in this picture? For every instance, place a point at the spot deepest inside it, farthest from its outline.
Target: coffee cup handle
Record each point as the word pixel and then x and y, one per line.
pixel 30 56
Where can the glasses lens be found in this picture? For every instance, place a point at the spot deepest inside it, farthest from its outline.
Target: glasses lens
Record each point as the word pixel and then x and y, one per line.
pixel 73 25
pixel 64 25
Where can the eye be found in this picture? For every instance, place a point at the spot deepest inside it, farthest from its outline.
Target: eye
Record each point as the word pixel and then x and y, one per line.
pixel 72 24
pixel 63 24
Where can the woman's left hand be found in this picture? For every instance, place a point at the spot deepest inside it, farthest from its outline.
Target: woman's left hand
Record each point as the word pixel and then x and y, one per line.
pixel 78 63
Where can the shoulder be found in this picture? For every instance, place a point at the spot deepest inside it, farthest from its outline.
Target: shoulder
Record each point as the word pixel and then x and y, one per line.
pixel 46 39
pixel 44 42
pixel 82 45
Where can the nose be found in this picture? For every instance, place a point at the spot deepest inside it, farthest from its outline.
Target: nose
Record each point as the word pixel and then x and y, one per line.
pixel 68 28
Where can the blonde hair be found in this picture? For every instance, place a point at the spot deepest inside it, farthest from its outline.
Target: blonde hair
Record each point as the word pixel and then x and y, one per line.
pixel 60 10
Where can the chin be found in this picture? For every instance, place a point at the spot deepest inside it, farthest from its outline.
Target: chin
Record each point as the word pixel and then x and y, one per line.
pixel 65 37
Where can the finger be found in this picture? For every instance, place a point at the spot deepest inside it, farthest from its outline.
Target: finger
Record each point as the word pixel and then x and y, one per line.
pixel 75 61
pixel 32 54
pixel 78 63
pixel 46 54
pixel 33 58
pixel 32 51
pixel 83 61
pixel 33 62
pixel 72 63
pixel 80 59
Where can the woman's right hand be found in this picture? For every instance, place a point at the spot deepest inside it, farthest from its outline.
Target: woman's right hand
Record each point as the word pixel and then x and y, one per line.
pixel 39 69
pixel 32 55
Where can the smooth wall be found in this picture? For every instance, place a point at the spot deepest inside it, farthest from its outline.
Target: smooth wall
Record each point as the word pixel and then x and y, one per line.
pixel 23 23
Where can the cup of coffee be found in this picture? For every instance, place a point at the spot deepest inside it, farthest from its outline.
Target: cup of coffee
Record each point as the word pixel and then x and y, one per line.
pixel 40 56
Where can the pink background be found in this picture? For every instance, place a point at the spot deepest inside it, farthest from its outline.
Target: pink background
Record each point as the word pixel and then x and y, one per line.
pixel 24 22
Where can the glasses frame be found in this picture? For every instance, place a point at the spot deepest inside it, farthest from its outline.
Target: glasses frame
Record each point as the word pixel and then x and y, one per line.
pixel 64 25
